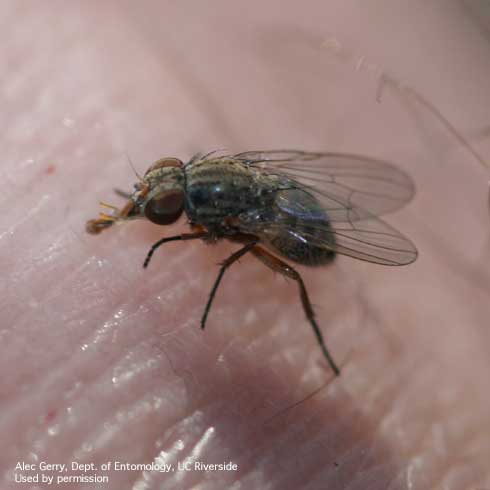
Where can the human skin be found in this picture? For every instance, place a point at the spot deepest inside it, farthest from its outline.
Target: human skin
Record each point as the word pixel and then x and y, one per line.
pixel 104 361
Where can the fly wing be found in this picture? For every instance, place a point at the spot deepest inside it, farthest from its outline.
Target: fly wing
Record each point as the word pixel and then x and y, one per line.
pixel 350 187
pixel 350 192
pixel 371 240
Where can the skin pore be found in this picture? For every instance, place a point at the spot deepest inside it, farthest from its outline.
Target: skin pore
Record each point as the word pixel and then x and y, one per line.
pixel 104 361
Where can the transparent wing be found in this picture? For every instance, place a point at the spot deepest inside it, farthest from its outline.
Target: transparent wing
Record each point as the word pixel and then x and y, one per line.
pixel 371 240
pixel 350 187
pixel 330 201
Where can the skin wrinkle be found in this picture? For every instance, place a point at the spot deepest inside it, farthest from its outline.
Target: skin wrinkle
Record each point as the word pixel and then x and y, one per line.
pixel 82 340
pixel 262 71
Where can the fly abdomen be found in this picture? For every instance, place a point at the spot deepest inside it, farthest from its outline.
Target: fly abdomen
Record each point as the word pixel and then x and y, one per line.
pixel 305 236
pixel 298 245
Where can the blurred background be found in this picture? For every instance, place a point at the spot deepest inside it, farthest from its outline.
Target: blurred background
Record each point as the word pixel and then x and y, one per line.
pixel 101 363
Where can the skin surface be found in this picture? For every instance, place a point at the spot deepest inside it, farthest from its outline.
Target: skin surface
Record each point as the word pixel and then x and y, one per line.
pixel 102 361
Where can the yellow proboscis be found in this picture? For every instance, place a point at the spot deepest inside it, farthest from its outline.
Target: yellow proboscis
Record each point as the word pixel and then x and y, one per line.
pixel 107 217
pixel 110 206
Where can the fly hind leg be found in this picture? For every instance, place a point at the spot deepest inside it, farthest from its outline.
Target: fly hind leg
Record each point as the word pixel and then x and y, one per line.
pixel 285 269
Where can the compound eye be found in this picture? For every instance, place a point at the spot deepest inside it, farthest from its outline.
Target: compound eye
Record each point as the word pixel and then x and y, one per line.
pixel 165 208
pixel 165 162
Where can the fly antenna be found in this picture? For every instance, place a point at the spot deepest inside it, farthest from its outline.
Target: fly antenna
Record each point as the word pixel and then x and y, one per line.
pixel 133 167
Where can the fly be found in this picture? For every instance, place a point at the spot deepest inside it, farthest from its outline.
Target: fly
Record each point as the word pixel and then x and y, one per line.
pixel 280 206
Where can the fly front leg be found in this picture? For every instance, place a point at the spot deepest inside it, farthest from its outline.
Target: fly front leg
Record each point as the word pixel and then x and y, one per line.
pixel 285 269
pixel 185 236
pixel 121 193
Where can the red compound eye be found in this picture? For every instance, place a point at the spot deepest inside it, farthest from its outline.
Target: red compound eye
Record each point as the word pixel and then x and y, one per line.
pixel 165 208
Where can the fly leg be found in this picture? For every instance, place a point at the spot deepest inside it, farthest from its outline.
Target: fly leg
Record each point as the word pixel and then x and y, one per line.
pixel 184 236
pixel 285 269
pixel 224 265
pixel 120 193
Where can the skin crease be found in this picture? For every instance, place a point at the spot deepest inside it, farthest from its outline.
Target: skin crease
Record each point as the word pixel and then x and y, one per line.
pixel 102 361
